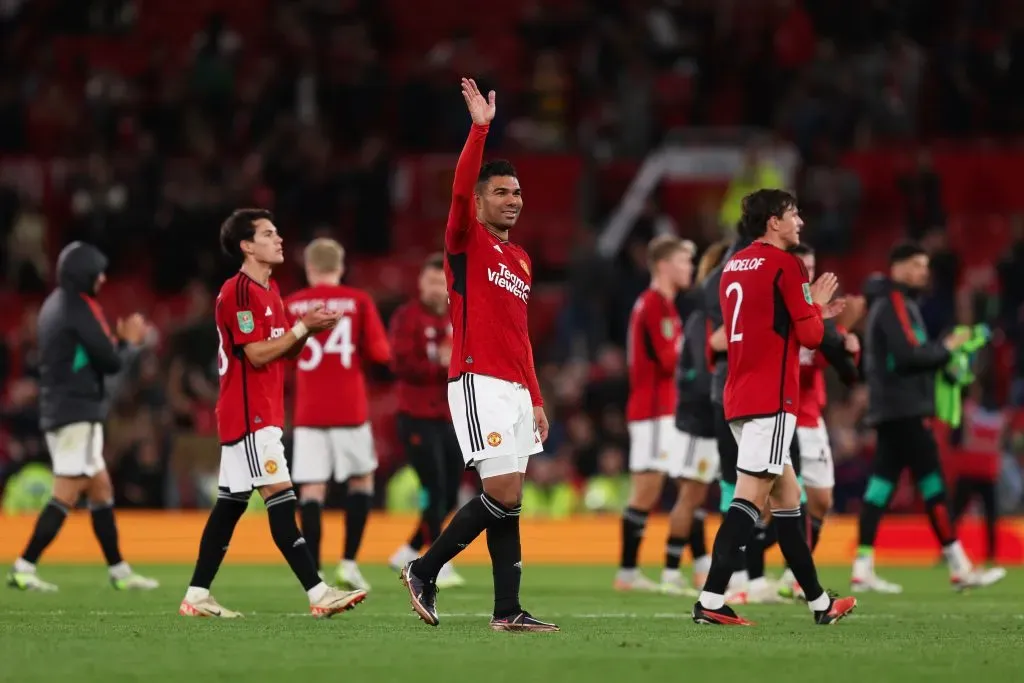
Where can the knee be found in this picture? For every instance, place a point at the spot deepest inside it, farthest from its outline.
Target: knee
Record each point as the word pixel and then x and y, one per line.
pixel 645 490
pixel 931 487
pixel 361 484
pixel 313 493
pixel 507 489
pixel 100 489
pixel 819 502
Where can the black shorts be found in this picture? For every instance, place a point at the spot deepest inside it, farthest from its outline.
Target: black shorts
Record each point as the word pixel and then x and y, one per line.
pixel 902 444
pixel 728 449
pixel 432 449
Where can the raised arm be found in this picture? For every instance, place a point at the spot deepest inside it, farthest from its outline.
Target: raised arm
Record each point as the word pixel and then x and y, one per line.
pixel 462 213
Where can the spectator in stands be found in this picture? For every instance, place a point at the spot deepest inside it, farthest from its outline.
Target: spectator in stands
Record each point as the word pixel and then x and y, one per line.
pixel 1011 284
pixel 830 202
pixel 756 172
pixel 922 192
pixel 28 266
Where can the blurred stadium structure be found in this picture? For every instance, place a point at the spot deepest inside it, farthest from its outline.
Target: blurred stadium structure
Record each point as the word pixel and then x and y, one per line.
pixel 138 124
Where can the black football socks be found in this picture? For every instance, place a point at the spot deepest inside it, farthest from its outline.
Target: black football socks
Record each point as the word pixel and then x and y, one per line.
pixel 281 511
pixel 793 543
pixel 674 551
pixel 698 546
pixel 468 523
pixel 505 548
pixel 311 515
pixel 220 526
pixel 634 522
pixel 105 529
pixel 48 525
pixel 816 524
pixel 357 510
pixel 735 532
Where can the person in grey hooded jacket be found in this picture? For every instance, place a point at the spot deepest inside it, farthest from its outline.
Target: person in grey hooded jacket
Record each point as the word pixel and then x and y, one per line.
pixel 77 351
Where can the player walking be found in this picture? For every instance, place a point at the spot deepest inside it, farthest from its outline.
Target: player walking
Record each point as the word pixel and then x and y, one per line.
pixel 769 311
pixel 493 391
pixel 422 343
pixel 253 338
pixel 332 431
pixel 654 338
pixel 900 365
pixel 695 420
pixel 77 351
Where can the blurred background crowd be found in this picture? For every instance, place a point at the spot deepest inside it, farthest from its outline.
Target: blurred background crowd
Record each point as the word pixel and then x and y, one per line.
pixel 138 125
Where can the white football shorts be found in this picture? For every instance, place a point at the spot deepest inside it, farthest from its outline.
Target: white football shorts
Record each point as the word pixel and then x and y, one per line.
pixel 493 421
pixel 817 468
pixel 76 449
pixel 344 451
pixel 764 443
pixel 257 460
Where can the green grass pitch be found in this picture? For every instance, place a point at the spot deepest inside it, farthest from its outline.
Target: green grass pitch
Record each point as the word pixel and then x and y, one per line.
pixel 89 632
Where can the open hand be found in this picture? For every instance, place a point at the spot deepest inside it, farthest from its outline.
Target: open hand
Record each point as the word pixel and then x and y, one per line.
pixel 957 339
pixel 824 288
pixel 133 329
pixel 481 110
pixel 318 319
pixel 851 343
pixel 542 422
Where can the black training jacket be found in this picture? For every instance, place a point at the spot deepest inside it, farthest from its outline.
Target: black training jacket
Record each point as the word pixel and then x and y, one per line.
pixel 76 347
pixel 899 361
pixel 694 412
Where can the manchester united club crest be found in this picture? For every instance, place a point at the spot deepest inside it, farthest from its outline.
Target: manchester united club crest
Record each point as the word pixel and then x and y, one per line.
pixel 494 439
pixel 526 268
pixel 270 466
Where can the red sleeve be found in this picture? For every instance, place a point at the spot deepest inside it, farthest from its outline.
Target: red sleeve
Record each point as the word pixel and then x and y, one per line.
pixel 409 359
pixel 375 339
pixel 241 312
pixel 796 292
pixel 534 383
pixel 467 170
pixel 662 336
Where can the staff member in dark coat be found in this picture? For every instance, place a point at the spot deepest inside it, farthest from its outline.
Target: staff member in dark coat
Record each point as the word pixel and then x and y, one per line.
pixel 77 352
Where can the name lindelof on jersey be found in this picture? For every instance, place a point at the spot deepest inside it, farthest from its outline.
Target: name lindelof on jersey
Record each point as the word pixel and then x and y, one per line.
pixel 740 264
pixel 510 282
pixel 337 305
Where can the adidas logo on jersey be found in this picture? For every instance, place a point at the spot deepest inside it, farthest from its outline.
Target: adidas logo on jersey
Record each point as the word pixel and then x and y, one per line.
pixel 497 248
pixel 269 312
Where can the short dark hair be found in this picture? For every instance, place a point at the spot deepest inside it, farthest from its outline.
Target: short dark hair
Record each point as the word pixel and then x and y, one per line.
pixel 496 168
pixel 801 250
pixel 435 261
pixel 240 225
pixel 904 251
pixel 760 206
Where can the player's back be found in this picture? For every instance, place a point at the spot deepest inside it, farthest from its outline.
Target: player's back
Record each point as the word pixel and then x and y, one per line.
pixel 251 397
pixel 652 349
pixel 761 288
pixel 330 382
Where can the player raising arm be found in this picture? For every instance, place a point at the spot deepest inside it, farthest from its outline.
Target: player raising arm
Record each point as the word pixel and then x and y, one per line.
pixel 493 391
pixel 770 311
pixel 254 337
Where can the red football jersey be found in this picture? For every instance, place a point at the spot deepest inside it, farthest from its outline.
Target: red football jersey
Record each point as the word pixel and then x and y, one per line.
pixel 417 333
pixel 653 342
pixel 768 315
pixel 330 385
pixel 812 388
pixel 488 286
pixel 250 398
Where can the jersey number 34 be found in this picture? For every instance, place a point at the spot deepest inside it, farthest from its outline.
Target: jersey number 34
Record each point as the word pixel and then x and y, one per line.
pixel 339 343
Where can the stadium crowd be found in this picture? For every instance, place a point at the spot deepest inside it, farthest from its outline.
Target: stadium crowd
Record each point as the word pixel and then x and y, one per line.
pixel 306 109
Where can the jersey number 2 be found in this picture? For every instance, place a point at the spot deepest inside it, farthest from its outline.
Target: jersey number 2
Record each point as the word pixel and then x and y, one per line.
pixel 339 342
pixel 736 287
